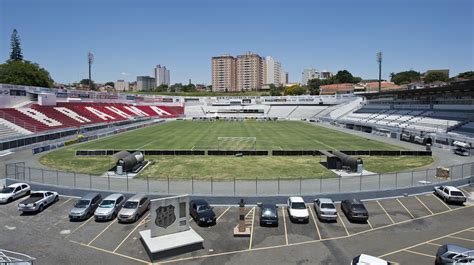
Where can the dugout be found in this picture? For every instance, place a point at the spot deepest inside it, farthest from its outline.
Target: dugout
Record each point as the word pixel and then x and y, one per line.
pixel 339 160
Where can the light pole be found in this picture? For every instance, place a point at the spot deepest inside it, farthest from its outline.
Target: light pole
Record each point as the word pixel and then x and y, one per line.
pixel 90 60
pixel 379 60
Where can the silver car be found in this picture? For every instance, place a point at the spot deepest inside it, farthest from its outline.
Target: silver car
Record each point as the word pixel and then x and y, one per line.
pixel 109 207
pixel 325 209
pixel 133 208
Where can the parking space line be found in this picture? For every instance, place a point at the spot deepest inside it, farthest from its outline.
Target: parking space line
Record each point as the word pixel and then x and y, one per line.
pixel 434 244
pixel 343 224
pixel 462 238
pixel 424 205
pixel 65 202
pixel 315 223
pixel 110 252
pixel 424 242
pixel 419 253
pixel 389 217
pixel 111 223
pixel 442 202
pixel 222 214
pixel 251 229
pixel 77 228
pixel 284 225
pixel 413 217
pixel 371 227
pixel 464 190
pixel 131 232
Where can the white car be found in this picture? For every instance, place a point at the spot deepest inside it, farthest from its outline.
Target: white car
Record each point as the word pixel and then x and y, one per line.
pixel 364 259
pixel 297 210
pixel 450 194
pixel 14 192
pixel 325 209
pixel 38 200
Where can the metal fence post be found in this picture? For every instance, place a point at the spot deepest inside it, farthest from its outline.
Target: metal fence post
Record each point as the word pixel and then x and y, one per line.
pixel 462 171
pixel 6 171
pixel 212 187
pixel 360 182
pixel 29 172
pixel 412 178
pixel 126 175
pixel 15 170
pixel 396 179
pixel 42 175
pixel 57 177
pixel 320 184
pixel 74 179
pixel 108 181
pixel 234 185
pixel 426 176
pixel 300 185
pixel 451 171
pixel 339 183
pixel 256 185
pixel 90 181
pixel 379 181
pixel 148 184
pixel 168 185
pixel 192 185
pixel 278 185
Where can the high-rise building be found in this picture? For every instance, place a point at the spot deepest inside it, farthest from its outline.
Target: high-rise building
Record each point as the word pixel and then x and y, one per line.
pixel 162 76
pixel 283 77
pixel 273 71
pixel 145 83
pixel 224 73
pixel 249 72
pixel 121 85
pixel 308 74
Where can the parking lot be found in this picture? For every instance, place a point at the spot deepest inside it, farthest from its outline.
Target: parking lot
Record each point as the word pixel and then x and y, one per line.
pixel 390 220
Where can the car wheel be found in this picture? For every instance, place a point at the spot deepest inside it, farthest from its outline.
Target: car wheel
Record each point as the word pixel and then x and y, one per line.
pixel 56 198
pixel 136 218
pixel 9 200
pixel 444 199
pixel 40 209
pixel 28 192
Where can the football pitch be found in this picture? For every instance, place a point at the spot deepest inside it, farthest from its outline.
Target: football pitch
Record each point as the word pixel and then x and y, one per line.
pixel 246 135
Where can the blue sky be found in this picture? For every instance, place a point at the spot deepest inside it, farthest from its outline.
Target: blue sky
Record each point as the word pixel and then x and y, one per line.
pixel 129 37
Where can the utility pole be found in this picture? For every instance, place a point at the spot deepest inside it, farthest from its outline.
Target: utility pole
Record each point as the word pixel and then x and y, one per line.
pixel 379 60
pixel 90 60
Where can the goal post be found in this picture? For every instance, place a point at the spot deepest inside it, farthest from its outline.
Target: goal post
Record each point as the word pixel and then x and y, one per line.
pixel 236 143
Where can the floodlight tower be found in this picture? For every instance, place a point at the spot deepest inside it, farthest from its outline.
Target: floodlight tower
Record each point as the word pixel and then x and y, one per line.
pixel 379 60
pixel 90 60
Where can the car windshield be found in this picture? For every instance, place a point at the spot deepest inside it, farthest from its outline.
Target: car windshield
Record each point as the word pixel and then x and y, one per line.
pixel 37 195
pixel 82 204
pixel 298 205
pixel 456 193
pixel 328 206
pixel 203 208
pixel 107 204
pixel 269 212
pixel 7 190
pixel 358 207
pixel 130 205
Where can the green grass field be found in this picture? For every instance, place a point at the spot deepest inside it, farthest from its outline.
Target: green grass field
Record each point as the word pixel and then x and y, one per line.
pixel 185 135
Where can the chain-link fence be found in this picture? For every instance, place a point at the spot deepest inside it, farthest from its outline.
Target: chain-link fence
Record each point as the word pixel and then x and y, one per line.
pixel 238 187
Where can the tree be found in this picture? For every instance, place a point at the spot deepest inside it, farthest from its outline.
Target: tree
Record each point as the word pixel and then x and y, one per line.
pixel 275 91
pixel 24 73
pixel 405 77
pixel 467 75
pixel 112 84
pixel 435 76
pixel 294 90
pixel 344 76
pixel 85 82
pixel 313 86
pixel 16 53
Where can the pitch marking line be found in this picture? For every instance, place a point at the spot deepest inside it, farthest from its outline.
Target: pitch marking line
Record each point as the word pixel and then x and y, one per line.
pixel 325 239
pixel 422 203
pixel 284 225
pixel 110 252
pixel 442 202
pixel 77 228
pixel 222 214
pixel 111 223
pixel 315 223
pixel 389 217
pixel 343 224
pixel 462 238
pixel 131 232
pixel 413 217
pixel 419 253
pixel 251 229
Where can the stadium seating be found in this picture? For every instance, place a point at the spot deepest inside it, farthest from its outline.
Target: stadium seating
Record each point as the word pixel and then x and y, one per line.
pixel 8 129
pixel 42 118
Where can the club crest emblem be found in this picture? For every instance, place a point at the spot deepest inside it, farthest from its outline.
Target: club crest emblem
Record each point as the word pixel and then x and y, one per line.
pixel 165 216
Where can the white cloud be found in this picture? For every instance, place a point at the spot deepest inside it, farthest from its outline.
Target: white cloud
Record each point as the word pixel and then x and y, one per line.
pixel 124 73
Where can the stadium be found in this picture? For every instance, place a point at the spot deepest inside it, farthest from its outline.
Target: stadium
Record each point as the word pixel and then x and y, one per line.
pixel 221 140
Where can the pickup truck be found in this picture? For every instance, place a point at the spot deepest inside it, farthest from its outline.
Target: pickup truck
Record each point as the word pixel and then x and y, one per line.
pixel 37 201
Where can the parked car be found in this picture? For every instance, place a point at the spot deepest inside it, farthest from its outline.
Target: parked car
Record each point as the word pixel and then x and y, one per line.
pixel 133 208
pixel 202 212
pixel 453 254
pixel 268 214
pixel 450 194
pixel 85 207
pixel 109 207
pixel 297 210
pixel 325 209
pixel 14 191
pixel 355 210
pixel 364 259
pixel 38 200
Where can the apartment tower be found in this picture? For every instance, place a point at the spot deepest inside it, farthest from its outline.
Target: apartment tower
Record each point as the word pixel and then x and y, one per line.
pixel 224 73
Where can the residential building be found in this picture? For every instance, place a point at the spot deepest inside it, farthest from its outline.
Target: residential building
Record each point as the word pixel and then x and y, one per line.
pixel 325 74
pixel 145 83
pixel 121 85
pixel 308 74
pixel 250 75
pixel 272 73
pixel 162 76
pixel 224 73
